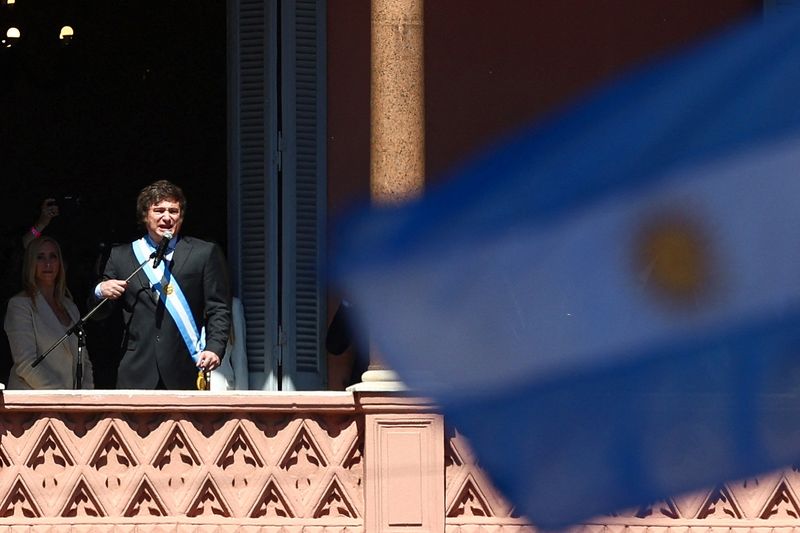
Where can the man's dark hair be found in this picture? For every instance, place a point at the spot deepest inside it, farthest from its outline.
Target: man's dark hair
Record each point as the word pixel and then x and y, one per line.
pixel 156 192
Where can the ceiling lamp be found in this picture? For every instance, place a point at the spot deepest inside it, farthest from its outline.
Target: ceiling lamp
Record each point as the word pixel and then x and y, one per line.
pixel 12 36
pixel 66 35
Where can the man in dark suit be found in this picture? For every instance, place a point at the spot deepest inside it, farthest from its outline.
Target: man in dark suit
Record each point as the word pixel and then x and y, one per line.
pixel 176 312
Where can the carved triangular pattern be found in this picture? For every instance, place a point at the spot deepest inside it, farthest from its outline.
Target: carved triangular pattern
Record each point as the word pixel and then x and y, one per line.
pixel 113 458
pixel 239 457
pixel 82 502
pixel 720 503
pixel 145 501
pixel 662 508
pixel 49 448
pixel 335 503
pixel 19 503
pixel 177 448
pixel 303 461
pixel 462 471
pixel 303 440
pixel 792 477
pixel 354 459
pixel 452 457
pixel 272 503
pixel 453 462
pixel 690 504
pixel 5 462
pixel 209 502
pixel 782 504
pixel 453 468
pixel 470 501
pixel 752 493
pixel 49 457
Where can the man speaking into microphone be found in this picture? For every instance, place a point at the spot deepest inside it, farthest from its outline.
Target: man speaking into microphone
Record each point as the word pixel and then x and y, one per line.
pixel 176 309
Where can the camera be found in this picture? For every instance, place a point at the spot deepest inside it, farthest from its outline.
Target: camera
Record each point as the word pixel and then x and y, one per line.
pixel 68 203
pixel 69 200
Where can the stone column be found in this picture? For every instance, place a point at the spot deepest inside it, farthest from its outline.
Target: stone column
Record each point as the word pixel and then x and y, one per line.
pixel 397 140
pixel 397 127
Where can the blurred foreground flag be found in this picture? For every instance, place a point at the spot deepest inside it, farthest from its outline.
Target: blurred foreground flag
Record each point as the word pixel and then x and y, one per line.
pixel 608 305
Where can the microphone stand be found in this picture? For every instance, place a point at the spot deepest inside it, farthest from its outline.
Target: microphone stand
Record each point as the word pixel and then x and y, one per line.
pixel 77 329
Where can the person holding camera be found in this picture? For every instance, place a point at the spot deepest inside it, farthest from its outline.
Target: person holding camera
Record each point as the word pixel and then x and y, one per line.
pixel 47 212
pixel 38 317
pixel 175 311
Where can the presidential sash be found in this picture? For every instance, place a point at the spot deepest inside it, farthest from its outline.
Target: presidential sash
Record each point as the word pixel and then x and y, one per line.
pixel 169 292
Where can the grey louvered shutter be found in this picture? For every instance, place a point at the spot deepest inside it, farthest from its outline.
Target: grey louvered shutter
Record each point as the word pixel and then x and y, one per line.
pixel 253 179
pixel 277 186
pixel 303 192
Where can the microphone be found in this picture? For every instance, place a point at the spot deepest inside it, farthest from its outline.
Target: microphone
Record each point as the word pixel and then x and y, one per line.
pixel 162 248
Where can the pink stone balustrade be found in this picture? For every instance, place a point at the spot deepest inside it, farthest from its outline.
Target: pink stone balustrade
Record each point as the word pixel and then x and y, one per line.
pixel 126 461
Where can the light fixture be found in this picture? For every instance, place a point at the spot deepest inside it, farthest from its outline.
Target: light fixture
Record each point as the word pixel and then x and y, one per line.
pixel 9 2
pixel 66 35
pixel 12 36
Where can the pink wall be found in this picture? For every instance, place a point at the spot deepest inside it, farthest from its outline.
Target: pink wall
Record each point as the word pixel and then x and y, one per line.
pixel 493 66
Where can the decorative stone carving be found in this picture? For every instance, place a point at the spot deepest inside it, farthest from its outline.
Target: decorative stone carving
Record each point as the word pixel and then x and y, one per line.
pixel 272 503
pixel 113 459
pixel 153 464
pixel 335 503
pixel 145 501
pixel 18 503
pixel 50 458
pixel 283 463
pixel 303 462
pixel 470 502
pixel 209 501
pixel 721 504
pixel 782 504
pixel 82 502
pixel 470 497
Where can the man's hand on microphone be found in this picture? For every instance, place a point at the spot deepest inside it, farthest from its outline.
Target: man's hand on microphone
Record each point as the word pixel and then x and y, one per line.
pixel 113 288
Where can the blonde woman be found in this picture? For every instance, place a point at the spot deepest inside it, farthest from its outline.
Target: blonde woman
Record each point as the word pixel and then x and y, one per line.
pixel 38 317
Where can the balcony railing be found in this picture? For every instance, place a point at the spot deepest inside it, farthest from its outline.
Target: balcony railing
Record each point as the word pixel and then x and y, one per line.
pixel 312 462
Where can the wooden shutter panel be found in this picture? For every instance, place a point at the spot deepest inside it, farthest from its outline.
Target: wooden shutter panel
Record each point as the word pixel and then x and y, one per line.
pixel 277 186
pixel 303 187
pixel 252 159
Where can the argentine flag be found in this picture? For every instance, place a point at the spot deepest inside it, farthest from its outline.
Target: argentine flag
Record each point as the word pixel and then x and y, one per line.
pixel 608 304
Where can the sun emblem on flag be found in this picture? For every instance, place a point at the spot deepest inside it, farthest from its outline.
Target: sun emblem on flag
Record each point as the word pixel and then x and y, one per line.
pixel 674 259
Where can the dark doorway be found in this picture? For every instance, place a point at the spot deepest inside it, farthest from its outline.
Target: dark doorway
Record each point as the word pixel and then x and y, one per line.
pixel 137 95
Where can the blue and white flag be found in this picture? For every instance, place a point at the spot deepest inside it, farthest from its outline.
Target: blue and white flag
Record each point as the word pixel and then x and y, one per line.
pixel 608 305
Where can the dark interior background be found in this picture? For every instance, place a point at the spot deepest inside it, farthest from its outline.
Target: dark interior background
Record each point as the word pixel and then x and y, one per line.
pixel 138 95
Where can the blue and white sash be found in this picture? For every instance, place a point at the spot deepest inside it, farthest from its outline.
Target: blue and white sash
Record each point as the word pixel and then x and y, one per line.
pixel 169 291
